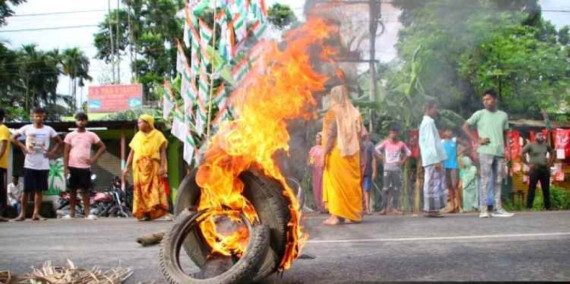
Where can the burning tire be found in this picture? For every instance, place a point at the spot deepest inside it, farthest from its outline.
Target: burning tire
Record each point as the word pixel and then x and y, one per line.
pixel 243 270
pixel 267 198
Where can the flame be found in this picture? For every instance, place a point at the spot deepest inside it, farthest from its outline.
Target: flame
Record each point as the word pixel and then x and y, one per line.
pixel 279 88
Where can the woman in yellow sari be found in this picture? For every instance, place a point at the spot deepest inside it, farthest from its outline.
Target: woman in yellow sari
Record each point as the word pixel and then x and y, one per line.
pixel 342 193
pixel 148 159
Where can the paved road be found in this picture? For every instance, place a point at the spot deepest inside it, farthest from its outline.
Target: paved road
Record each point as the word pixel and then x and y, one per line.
pixel 529 246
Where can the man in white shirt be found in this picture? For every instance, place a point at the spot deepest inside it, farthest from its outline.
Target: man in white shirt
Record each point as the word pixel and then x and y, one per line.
pixel 36 165
pixel 15 191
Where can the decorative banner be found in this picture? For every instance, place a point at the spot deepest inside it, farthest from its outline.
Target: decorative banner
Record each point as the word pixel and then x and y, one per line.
pixel 514 144
pixel 168 101
pixel 562 143
pixel 186 91
pixel 220 97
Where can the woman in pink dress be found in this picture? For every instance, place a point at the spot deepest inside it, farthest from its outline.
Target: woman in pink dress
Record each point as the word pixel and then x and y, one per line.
pixel 316 163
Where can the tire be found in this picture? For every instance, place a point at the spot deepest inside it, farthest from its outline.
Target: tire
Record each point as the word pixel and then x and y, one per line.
pixel 244 269
pixel 267 198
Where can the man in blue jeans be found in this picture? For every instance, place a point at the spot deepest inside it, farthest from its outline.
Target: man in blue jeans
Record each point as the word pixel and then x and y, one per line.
pixel 492 125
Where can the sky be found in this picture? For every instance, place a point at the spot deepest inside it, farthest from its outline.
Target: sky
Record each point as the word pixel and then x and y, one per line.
pixel 89 13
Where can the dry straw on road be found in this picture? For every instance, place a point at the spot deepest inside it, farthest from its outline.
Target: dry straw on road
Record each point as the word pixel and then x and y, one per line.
pixel 70 274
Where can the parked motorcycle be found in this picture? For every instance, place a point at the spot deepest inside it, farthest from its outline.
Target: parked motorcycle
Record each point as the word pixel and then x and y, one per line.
pixel 112 203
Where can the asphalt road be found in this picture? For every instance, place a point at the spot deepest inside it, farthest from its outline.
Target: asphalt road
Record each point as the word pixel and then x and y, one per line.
pixel 529 246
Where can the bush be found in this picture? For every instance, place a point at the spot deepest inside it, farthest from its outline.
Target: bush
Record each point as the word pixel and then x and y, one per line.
pixel 559 200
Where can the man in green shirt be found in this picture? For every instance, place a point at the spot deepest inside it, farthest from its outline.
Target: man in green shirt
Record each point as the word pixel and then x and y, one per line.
pixel 492 125
pixel 539 166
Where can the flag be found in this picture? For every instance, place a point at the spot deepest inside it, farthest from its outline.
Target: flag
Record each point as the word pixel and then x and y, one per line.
pixel 186 37
pixel 223 43
pixel 205 56
pixel 258 10
pixel 259 29
pixel 190 19
pixel 240 27
pixel 201 117
pixel 180 58
pixel 240 70
pixel 168 102
pixel 179 129
pixel 221 116
pixel 189 148
pixel 192 91
pixel 205 33
pixel 186 87
pixel 220 97
pixel 203 87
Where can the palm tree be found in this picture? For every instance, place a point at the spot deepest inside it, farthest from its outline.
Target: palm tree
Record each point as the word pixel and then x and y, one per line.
pixel 76 66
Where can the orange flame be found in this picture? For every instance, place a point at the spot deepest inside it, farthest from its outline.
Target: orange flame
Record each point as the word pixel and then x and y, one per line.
pixel 279 88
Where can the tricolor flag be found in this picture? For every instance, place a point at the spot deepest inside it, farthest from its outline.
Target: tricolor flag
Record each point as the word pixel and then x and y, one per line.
pixel 240 70
pixel 179 128
pixel 203 87
pixel 189 148
pixel 201 117
pixel 205 33
pixel 239 27
pixel 168 101
pixel 186 87
pixel 220 97
pixel 259 29
pixel 258 10
pixel 224 45
pixel 180 58
pixel 205 56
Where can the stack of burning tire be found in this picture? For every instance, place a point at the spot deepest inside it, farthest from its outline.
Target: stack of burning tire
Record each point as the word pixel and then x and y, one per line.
pixel 267 238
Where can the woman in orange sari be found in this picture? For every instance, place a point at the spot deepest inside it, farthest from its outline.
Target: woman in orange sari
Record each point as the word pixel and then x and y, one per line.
pixel 342 193
pixel 148 159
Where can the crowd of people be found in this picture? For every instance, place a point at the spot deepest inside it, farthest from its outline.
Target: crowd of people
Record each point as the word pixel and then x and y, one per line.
pixel 147 159
pixel 344 163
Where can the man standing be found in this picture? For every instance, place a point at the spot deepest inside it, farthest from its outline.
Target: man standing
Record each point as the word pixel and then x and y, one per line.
pixel 451 166
pixel 77 161
pixel 539 166
pixel 492 125
pixel 433 155
pixel 368 161
pixel 36 164
pixel 394 154
pixel 4 153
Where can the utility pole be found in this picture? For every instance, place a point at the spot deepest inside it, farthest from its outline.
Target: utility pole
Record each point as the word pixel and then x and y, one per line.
pixel 111 39
pixel 118 43
pixel 375 14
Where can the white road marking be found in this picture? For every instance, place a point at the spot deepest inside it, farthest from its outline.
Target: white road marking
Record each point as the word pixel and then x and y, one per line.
pixel 477 237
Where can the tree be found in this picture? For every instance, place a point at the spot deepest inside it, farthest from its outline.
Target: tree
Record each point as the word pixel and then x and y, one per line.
pixel 470 46
pixel 6 11
pixel 281 16
pixel 76 66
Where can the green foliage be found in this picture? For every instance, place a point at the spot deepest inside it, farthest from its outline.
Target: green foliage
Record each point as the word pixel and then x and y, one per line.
pixel 559 200
pixel 6 11
pixel 469 46
pixel 281 16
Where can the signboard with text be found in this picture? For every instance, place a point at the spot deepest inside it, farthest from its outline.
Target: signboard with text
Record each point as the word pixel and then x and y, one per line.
pixel 114 98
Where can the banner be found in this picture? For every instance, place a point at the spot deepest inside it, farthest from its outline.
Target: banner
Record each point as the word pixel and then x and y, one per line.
pixel 114 98
pixel 562 143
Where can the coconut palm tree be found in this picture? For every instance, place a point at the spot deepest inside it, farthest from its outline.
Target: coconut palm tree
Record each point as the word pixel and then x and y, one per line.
pixel 76 66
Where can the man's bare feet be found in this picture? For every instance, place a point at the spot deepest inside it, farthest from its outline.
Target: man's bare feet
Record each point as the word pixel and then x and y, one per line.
pixel 20 218
pixel 331 221
pixel 383 212
pixel 38 218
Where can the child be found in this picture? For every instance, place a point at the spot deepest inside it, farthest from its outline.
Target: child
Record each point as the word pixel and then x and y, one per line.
pixel 470 184
pixel 315 162
pixel 394 154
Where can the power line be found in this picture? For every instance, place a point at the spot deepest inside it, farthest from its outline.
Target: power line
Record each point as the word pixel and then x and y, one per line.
pixel 57 13
pixel 50 28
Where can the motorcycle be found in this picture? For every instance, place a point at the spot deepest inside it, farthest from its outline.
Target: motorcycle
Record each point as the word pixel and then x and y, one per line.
pixel 112 203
